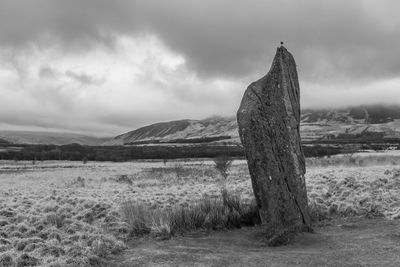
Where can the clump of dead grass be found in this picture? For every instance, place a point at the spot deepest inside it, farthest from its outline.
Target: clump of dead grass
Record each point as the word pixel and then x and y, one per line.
pixel 225 212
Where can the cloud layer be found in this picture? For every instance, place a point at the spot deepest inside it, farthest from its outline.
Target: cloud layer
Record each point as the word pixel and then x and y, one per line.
pixel 102 67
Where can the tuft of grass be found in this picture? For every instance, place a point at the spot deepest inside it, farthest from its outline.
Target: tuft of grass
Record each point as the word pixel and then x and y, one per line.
pixel 137 217
pixel 226 212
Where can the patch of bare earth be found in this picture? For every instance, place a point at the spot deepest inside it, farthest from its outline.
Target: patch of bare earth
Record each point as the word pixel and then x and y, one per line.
pixel 345 242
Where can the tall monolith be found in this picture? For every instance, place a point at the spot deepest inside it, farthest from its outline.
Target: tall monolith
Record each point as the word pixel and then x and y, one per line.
pixel 269 123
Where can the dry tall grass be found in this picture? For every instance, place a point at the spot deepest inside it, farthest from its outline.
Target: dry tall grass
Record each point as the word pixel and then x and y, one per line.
pixel 49 217
pixel 225 212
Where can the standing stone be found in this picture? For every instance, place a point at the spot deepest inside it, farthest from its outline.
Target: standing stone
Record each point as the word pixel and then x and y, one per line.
pixel 269 122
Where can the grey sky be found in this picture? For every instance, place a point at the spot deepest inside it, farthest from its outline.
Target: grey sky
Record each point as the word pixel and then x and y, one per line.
pixel 103 67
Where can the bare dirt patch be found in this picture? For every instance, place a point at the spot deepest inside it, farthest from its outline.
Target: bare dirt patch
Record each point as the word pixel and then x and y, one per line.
pixel 346 242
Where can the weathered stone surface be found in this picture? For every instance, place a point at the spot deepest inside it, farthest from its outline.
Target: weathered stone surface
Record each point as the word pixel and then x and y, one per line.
pixel 269 121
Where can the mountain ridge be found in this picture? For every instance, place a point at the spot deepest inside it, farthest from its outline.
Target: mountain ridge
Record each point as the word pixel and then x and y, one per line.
pixel 316 124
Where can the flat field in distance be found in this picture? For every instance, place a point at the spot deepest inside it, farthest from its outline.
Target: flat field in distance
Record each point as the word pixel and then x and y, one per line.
pixel 56 213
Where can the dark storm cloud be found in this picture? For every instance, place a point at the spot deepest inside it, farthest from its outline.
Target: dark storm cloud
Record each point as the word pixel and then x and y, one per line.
pixel 347 39
pixel 330 39
pixel 234 38
pixel 74 23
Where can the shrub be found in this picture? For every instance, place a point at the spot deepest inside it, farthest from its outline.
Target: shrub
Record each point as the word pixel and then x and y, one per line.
pixel 222 164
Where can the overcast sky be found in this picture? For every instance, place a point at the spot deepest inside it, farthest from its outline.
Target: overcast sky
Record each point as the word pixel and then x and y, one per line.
pixel 104 67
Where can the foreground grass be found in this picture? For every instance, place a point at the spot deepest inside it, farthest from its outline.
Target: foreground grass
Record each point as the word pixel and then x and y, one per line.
pixel 51 217
pixel 66 232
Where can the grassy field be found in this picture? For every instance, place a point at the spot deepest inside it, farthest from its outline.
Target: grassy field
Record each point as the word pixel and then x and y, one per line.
pixel 74 214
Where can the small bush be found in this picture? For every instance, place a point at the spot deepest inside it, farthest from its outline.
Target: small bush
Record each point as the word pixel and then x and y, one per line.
pixel 222 164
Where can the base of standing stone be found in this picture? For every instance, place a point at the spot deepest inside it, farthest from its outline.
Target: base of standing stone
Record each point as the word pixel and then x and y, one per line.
pixel 285 236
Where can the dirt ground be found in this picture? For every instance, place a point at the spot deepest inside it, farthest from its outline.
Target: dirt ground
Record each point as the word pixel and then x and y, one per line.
pixel 344 242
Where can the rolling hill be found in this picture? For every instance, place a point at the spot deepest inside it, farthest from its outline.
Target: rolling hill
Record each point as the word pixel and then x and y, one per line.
pixel 373 121
pixel 219 128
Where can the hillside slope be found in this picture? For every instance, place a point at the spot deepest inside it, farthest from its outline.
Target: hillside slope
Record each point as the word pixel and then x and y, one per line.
pixel 180 130
pixel 377 121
